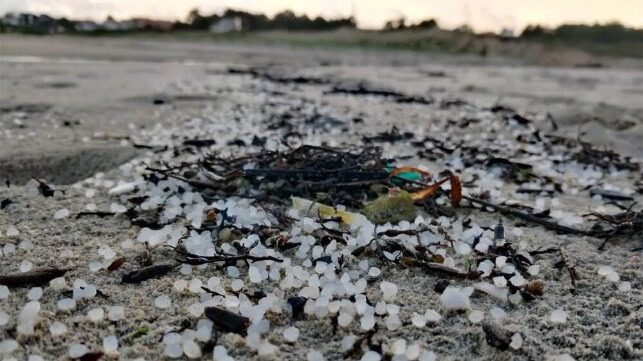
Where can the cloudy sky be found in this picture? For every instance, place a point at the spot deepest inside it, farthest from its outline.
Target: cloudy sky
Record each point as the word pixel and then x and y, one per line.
pixel 483 15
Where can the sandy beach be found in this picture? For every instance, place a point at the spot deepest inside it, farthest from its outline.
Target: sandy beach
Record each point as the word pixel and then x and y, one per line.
pixel 85 115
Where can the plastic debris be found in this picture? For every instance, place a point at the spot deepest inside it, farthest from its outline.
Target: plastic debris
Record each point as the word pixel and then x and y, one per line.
pixel 307 207
pixel 393 207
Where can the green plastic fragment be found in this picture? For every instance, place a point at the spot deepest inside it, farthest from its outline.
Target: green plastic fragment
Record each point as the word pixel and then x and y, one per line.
pixel 141 332
pixel 412 176
pixel 391 208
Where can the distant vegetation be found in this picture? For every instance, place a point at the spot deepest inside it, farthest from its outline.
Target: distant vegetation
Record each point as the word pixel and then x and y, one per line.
pixel 612 38
pixel 607 39
pixel 286 20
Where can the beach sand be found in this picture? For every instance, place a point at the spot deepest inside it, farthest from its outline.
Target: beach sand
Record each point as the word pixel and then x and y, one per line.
pixel 72 107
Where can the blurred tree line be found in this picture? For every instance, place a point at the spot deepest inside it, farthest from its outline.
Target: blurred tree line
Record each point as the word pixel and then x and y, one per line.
pixel 612 32
pixel 286 20
pixel 611 38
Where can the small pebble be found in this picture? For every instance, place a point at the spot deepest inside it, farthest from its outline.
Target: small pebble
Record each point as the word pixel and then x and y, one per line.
pixel 371 356
pixel 7 346
pixel 432 316
pixel 191 349
pixel 374 272
pixel 95 266
pixel 389 291
pixel 517 280
pixel 399 347
pixel 393 322
pixel 609 273
pixel 344 319
pixel 96 314
pixel 418 321
pixel 12 231
pixel 454 298
pixel 57 328
pixel 110 344
pixel 497 313
pixel 180 285
pixel 162 301
pixel 58 283
pixel 186 269
pixel 314 355
pixel 195 286
pixel 173 351
pixel 25 266
pixel 413 351
pixel 500 281
pixel 476 316
pixel 625 286
pixel 66 304
pixel 516 341
pixel 564 357
pixel 196 309
pixel 4 318
pixel 77 350
pixel 4 292
pixel 534 270
pixel 115 313
pixel 267 349
pixel 558 316
pixel 61 213
pixel 291 334
pixel 427 356
pixel 34 294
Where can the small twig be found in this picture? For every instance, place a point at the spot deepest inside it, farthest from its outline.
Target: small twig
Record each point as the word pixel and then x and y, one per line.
pixel 527 217
pixel 434 267
pixel 357 345
pixel 95 213
pixel 192 258
pixel 569 263
pixel 194 183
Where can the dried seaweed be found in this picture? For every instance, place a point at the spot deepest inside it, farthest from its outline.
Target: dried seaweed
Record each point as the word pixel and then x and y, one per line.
pixel 5 203
pixel 280 79
pixel 526 216
pixel 36 276
pixel 570 265
pixel 625 224
pixel 45 189
pixel 91 356
pixel 496 336
pixel 227 321
pixel 101 214
pixel 356 350
pixel 603 158
pixel 145 273
pixel 193 259
pixel 199 142
pixel 608 194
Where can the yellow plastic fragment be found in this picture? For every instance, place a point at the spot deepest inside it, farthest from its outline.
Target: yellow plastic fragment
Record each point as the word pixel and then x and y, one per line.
pixel 312 209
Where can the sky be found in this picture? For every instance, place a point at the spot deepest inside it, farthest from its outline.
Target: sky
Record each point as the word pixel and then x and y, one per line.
pixel 481 15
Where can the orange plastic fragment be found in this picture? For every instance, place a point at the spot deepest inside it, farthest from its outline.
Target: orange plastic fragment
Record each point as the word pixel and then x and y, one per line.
pixel 456 190
pixel 399 170
pixel 211 215
pixel 428 191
